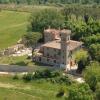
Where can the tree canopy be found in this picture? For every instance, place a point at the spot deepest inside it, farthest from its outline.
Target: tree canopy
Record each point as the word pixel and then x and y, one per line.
pixel 46 18
pixel 49 1
pixel 80 92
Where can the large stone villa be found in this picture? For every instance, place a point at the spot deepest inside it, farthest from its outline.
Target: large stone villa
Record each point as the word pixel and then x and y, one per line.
pixel 58 48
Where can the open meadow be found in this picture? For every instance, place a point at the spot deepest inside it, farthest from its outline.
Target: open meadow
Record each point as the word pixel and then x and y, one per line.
pixel 19 90
pixel 12 26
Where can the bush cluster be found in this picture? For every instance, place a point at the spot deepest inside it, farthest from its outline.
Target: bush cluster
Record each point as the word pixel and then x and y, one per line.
pixel 48 75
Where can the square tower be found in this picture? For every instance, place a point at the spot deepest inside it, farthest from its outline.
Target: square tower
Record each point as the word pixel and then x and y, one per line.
pixel 65 40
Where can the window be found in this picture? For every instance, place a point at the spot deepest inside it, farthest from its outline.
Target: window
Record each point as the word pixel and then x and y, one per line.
pixel 39 58
pixel 59 52
pixel 54 61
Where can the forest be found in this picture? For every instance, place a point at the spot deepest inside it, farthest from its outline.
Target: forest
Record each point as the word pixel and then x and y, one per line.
pixel 49 1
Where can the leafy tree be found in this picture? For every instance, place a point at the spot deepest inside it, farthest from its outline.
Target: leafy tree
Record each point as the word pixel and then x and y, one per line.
pixel 28 77
pixel 44 18
pixel 53 1
pixel 91 75
pixel 92 81
pixel 31 39
pixel 81 58
pixel 80 55
pixel 43 74
pixel 92 39
pixel 95 51
pixel 80 92
pixel 97 92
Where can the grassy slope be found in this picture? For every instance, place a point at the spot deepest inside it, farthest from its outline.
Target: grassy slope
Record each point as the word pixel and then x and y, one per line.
pixel 34 90
pixel 12 27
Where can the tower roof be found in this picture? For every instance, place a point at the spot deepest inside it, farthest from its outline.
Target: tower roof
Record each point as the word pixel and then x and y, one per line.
pixel 52 31
pixel 57 44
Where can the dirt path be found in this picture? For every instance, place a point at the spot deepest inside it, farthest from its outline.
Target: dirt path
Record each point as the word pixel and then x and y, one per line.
pixel 4 69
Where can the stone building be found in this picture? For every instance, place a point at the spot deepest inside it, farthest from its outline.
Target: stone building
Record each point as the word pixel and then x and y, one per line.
pixel 58 48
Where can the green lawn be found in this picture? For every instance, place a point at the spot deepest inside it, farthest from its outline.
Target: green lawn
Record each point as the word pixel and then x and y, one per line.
pixel 19 60
pixel 19 90
pixel 12 26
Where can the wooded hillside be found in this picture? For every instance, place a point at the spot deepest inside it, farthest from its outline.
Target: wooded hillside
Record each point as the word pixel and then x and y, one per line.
pixel 49 1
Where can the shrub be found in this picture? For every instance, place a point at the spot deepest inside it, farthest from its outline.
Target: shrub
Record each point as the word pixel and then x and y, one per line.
pixel 80 92
pixel 56 74
pixel 97 92
pixel 61 80
pixel 92 75
pixel 60 92
pixel 15 77
pixel 92 81
pixel 28 77
pixel 43 74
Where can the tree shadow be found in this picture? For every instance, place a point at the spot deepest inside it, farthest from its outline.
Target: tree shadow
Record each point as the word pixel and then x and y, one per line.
pixel 41 64
pixel 21 63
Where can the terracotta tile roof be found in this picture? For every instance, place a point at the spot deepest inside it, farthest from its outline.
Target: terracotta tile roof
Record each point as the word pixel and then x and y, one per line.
pixel 52 31
pixel 55 31
pixel 57 44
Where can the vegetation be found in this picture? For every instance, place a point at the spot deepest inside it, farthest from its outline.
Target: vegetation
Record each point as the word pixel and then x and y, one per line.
pixel 80 55
pixel 46 18
pixel 13 26
pixel 31 39
pixel 83 20
pixel 80 92
pixel 97 92
pixel 21 90
pixel 49 75
pixel 93 69
pixel 49 1
pixel 95 51
pixel 92 76
pixel 82 58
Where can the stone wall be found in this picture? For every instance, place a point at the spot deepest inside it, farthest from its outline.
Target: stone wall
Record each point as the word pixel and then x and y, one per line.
pixel 11 50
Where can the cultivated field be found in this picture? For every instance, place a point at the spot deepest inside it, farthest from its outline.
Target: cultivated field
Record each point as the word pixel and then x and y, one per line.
pixel 12 26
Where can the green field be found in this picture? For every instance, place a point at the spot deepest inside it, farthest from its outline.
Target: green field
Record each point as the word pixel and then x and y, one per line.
pixel 12 26
pixel 19 90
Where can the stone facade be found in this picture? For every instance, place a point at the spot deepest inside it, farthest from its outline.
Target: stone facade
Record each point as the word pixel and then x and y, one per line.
pixel 57 49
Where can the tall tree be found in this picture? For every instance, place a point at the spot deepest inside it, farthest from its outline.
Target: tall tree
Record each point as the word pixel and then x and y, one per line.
pixel 44 18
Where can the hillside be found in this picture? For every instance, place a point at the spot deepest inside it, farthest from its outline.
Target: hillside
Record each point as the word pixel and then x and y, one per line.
pixel 12 27
pixel 49 1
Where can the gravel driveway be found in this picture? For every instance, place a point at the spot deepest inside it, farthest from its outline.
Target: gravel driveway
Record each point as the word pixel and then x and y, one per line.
pixel 14 68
